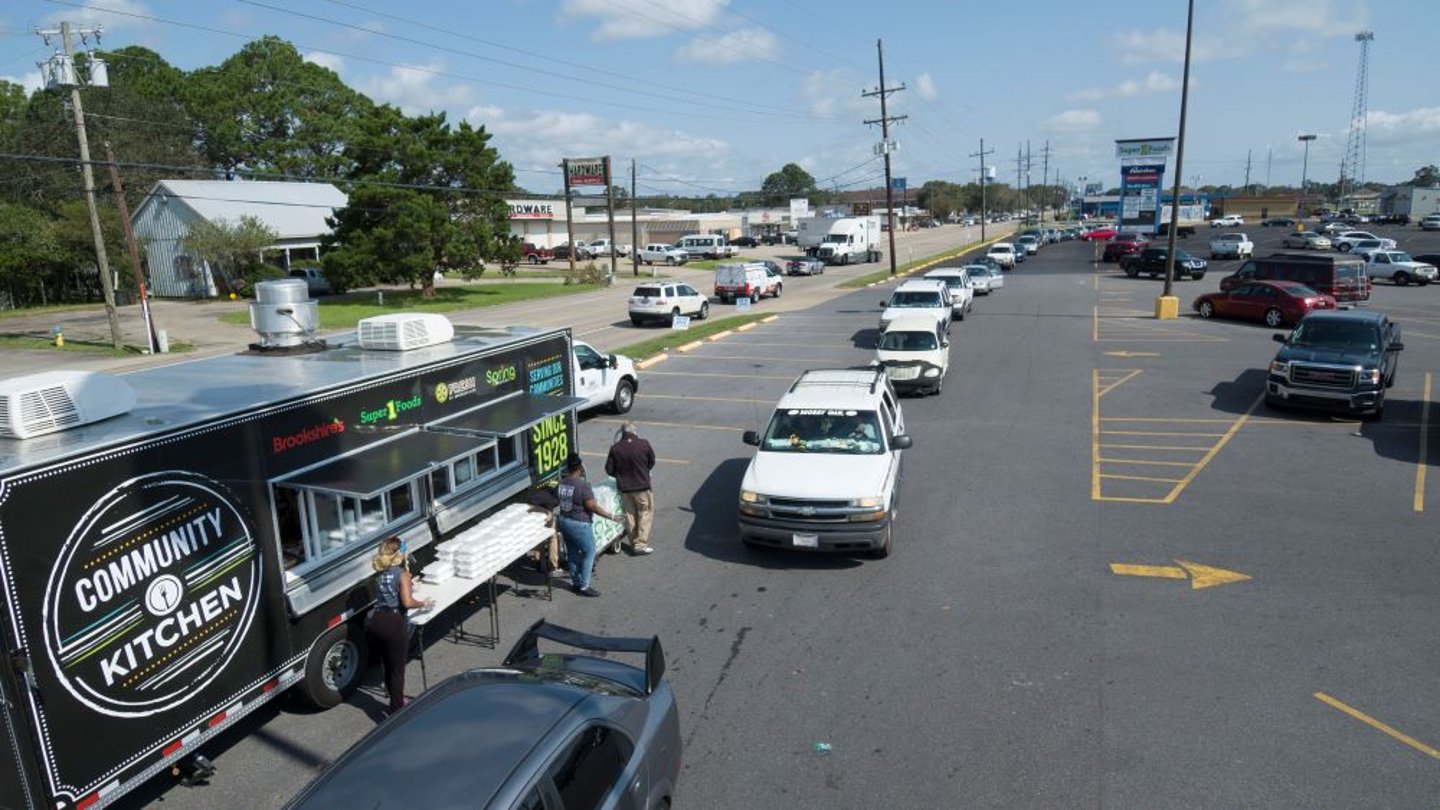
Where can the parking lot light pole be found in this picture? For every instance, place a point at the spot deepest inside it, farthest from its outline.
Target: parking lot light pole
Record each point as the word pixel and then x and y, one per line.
pixel 1304 174
pixel 1167 306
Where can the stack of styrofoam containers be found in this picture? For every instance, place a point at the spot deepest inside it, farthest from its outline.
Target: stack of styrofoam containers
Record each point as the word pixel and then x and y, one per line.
pixel 437 572
pixel 472 557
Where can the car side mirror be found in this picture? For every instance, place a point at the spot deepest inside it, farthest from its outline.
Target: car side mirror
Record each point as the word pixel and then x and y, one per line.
pixel 751 438
pixel 1280 337
pixel 884 304
pixel 901 442
pixel 1397 347
pixel 611 361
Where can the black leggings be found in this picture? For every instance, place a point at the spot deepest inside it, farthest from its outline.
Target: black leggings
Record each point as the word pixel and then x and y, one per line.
pixel 390 634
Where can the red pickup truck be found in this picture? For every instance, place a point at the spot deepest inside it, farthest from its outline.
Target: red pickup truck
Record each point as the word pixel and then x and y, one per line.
pixel 534 254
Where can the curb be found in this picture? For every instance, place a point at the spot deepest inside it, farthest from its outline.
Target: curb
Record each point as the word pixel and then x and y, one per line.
pixel 650 361
pixel 691 346
pixel 719 335
pixel 770 319
pixel 745 327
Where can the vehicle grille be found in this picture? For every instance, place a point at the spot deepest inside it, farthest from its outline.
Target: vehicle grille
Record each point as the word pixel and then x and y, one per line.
pixel 810 511
pixel 1322 376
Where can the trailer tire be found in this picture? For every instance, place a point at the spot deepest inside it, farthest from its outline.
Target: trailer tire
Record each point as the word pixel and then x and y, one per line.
pixel 335 666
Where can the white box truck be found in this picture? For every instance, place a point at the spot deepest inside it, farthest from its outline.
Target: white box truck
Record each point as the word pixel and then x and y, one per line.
pixel 851 240
pixel 810 232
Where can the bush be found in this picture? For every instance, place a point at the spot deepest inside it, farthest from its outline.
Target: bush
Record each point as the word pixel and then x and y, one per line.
pixel 588 273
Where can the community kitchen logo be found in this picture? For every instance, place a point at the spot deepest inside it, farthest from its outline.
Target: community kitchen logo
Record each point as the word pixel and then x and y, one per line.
pixel 152 594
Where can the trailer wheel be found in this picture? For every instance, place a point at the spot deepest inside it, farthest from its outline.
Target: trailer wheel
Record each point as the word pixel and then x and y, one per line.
pixel 335 666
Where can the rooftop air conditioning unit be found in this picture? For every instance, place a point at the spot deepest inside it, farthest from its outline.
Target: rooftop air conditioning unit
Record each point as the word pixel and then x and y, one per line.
pixel 405 331
pixel 53 401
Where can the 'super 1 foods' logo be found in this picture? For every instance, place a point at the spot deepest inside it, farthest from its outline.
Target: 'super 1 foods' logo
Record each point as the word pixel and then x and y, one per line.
pixel 390 411
pixel 152 594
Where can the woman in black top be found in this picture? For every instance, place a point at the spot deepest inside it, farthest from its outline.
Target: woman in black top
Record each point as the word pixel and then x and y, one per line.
pixel 386 626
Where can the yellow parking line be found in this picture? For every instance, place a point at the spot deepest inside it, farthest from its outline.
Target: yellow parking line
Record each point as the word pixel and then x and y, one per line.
pixel 597 454
pixel 1220 445
pixel 731 428
pixel 1141 478
pixel 1153 447
pixel 1165 419
pixel 1157 433
pixel 1152 463
pixel 1383 728
pixel 1129 375
pixel 1419 502
pixel 726 376
pixel 770 401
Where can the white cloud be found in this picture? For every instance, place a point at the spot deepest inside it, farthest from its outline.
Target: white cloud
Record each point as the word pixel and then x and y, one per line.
pixel 98 14
pixel 1419 127
pixel 326 60
pixel 1073 121
pixel 29 80
pixel 542 137
pixel 642 19
pixel 417 89
pixel 834 93
pixel 1250 26
pixel 740 45
pixel 925 87
pixel 1154 82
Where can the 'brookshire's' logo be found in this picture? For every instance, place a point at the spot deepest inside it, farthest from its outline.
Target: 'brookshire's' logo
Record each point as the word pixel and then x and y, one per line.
pixel 151 595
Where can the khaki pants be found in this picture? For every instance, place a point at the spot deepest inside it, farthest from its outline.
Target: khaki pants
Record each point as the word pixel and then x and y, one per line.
pixel 639 514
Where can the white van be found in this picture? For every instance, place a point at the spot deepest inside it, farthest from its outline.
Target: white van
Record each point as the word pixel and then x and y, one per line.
pixel 706 246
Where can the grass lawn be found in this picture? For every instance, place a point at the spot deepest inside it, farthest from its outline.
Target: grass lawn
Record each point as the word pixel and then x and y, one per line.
pixel 344 311
pixel 16 313
pixel 670 338
pixel 79 346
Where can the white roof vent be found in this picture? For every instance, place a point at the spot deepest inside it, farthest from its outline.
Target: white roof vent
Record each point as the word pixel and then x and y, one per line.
pixel 59 400
pixel 405 331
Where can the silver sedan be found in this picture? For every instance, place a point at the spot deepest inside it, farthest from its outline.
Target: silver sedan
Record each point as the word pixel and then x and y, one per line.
pixel 994 278
pixel 1306 240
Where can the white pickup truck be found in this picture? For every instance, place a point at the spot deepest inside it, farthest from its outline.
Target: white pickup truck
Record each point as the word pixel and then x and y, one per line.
pixel 1231 246
pixel 1227 221
pixel 664 254
pixel 602 247
pixel 1398 267
pixel 603 380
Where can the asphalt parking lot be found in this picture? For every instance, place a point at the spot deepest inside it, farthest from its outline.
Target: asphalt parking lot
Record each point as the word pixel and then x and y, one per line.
pixel 1118 580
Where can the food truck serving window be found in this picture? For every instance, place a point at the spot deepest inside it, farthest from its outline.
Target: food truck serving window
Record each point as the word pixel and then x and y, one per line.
pixel 355 500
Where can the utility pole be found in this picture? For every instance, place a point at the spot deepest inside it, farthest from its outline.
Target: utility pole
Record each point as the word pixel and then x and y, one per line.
pixel 1247 171
pixel 1045 180
pixel 634 225
pixel 1029 203
pixel 64 75
pixel 886 146
pixel 1269 153
pixel 610 218
pixel 152 345
pixel 569 216
pixel 983 215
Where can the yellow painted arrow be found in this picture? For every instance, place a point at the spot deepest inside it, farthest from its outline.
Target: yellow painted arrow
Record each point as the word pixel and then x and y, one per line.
pixel 1200 576
pixel 1132 354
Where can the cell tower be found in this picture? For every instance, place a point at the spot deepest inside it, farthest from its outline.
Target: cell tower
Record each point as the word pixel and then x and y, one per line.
pixel 1352 167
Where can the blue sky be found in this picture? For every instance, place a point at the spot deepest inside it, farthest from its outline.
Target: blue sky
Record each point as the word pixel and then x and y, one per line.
pixel 712 95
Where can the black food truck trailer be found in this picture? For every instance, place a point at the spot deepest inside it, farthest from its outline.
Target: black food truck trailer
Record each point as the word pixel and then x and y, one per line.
pixel 205 545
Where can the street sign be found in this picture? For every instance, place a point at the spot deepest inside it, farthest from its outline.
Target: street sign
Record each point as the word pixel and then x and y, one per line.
pixel 1145 148
pixel 681 322
pixel 588 171
pixel 742 304
pixel 860 209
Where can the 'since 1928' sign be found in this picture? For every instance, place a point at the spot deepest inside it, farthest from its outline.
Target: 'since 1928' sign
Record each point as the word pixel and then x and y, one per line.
pixel 588 171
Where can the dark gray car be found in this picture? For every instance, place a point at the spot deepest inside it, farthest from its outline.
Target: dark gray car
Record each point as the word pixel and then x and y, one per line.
pixel 542 732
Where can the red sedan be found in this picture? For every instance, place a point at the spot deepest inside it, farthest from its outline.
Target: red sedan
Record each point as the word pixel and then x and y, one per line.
pixel 1100 234
pixel 1276 303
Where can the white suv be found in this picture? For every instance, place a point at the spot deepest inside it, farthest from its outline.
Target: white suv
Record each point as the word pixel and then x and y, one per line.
pixel 826 473
pixel 915 355
pixel 962 288
pixel 662 302
pixel 919 297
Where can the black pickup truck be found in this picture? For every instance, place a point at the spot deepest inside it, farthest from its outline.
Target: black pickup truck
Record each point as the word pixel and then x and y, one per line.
pixel 1336 360
pixel 1151 261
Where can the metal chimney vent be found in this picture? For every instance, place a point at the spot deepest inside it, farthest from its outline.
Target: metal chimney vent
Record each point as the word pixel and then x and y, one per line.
pixel 283 314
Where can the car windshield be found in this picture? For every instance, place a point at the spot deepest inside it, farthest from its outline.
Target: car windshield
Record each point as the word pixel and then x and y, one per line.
pixel 914 299
pixel 893 341
pixel 1400 256
pixel 1336 335
pixel 817 430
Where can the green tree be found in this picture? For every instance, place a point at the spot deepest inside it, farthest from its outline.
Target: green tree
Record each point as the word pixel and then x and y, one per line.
pixel 442 208
pixel 1428 175
pixel 235 248
pixel 790 182
pixel 29 252
pixel 267 109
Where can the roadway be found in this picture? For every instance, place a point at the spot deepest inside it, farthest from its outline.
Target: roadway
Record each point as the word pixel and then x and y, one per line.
pixel 1117 580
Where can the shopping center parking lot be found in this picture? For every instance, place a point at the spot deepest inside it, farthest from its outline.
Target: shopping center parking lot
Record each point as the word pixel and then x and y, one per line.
pixel 1048 630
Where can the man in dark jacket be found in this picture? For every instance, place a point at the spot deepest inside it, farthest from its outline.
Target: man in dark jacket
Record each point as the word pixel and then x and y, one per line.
pixel 630 461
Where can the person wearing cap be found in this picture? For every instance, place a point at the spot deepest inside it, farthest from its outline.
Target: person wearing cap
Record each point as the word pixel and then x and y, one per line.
pixel 630 461
pixel 577 512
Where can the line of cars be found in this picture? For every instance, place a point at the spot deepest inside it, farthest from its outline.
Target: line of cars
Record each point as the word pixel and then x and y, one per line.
pixel 664 301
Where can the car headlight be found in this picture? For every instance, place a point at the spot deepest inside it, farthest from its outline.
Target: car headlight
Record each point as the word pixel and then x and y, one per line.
pixel 748 496
pixel 868 503
pixel 1280 368
pixel 932 372
pixel 1370 376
